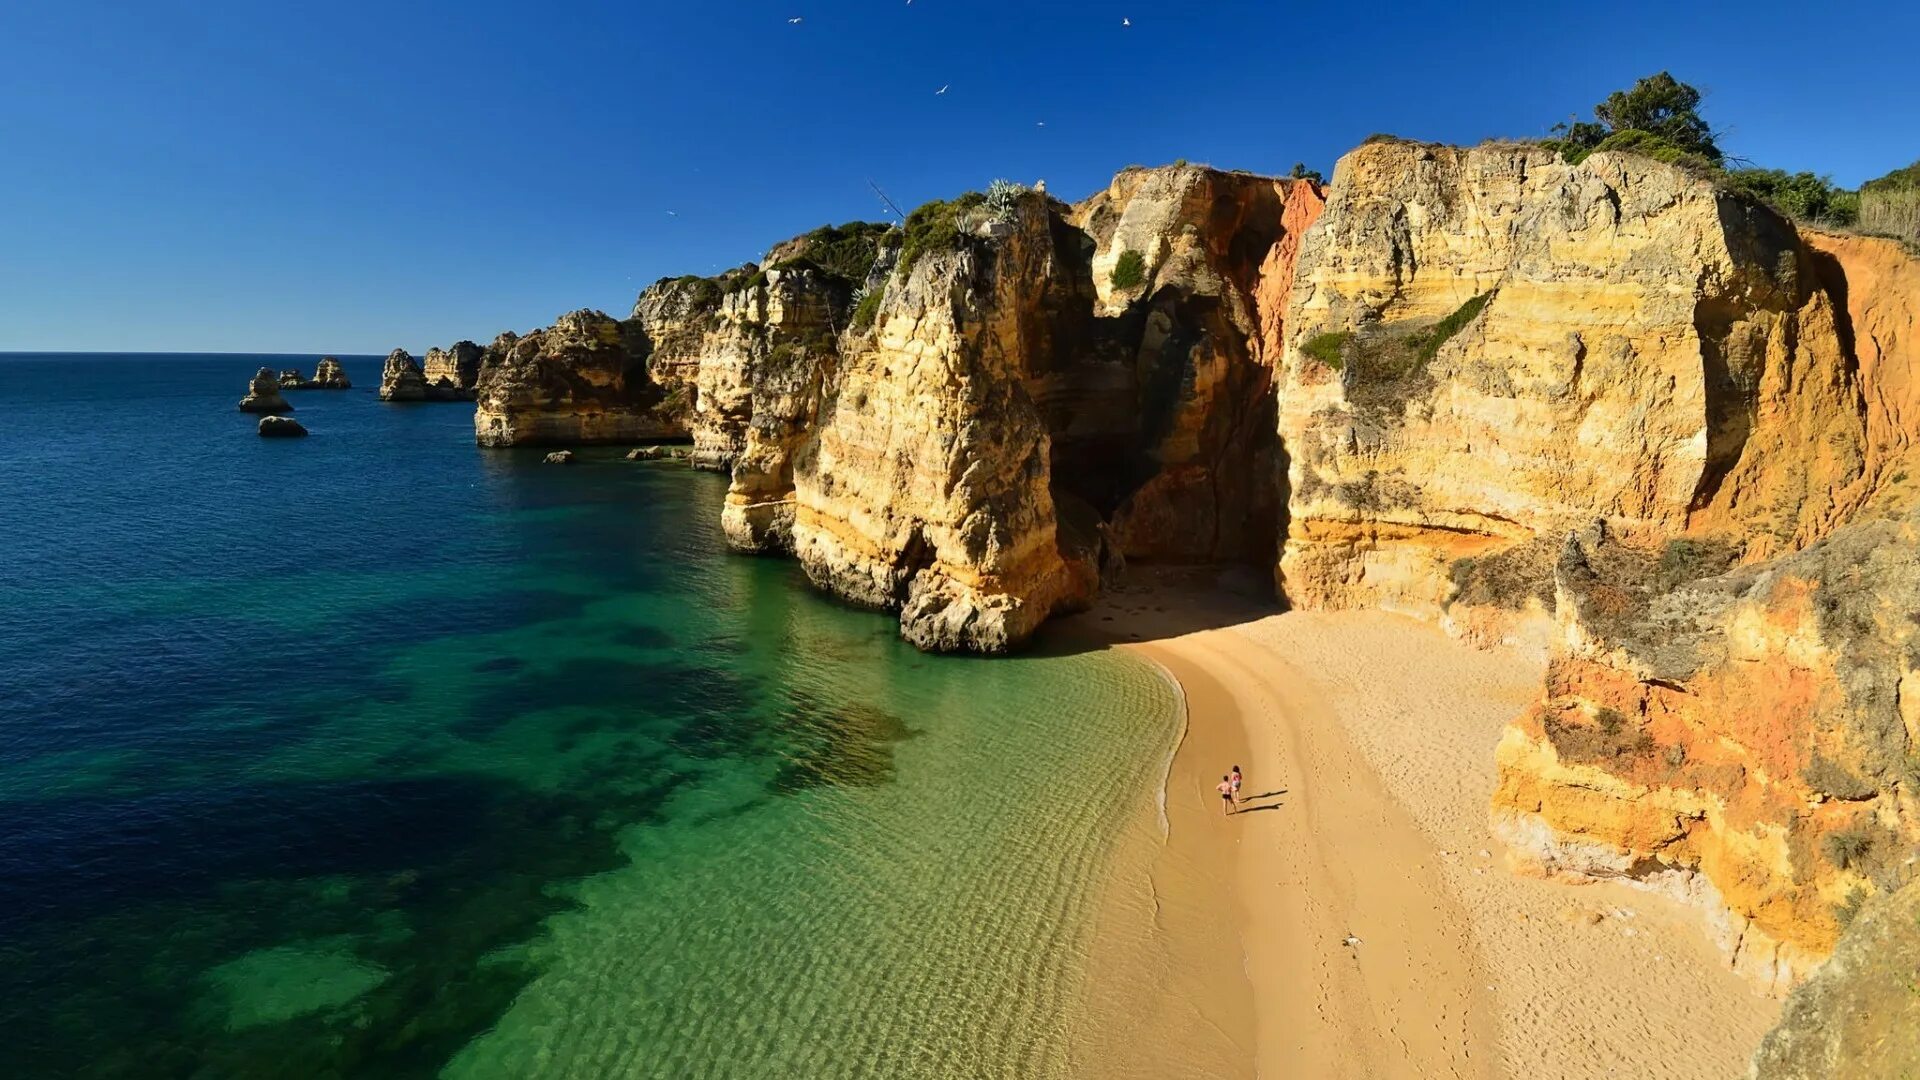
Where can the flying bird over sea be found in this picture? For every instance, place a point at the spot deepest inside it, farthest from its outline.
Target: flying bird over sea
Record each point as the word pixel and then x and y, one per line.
pixel 1124 21
pixel 942 90
pixel 795 21
pixel 673 213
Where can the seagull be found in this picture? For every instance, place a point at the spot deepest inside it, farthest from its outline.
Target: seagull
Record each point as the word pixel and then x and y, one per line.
pixel 1124 21
pixel 1350 941
pixel 795 21
pixel 1042 123
pixel 673 213
pixel 942 90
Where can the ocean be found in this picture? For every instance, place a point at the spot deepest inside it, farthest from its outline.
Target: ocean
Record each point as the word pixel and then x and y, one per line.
pixel 378 754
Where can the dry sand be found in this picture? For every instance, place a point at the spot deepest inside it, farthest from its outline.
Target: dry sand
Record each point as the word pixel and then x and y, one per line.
pixel 1367 741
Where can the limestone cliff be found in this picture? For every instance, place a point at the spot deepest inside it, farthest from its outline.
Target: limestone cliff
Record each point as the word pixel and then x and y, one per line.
pixel 451 373
pixel 924 486
pixel 401 379
pixel 1749 740
pixel 1488 346
pixel 582 380
pixel 1859 1017
pixel 1163 416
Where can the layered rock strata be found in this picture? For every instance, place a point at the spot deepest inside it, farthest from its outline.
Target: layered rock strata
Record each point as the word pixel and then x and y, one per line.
pixel 451 373
pixel 401 379
pixel 329 375
pixel 582 380
pixel 263 394
pixel 1748 740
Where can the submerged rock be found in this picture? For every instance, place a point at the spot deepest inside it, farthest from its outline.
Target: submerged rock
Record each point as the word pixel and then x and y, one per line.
pixel 263 394
pixel 402 379
pixel 559 457
pixel 281 427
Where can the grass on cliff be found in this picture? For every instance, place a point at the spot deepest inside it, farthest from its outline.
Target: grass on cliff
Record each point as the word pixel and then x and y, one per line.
pixel 936 227
pixel 1129 270
pixel 868 308
pixel 1427 342
pixel 1328 348
pixel 847 252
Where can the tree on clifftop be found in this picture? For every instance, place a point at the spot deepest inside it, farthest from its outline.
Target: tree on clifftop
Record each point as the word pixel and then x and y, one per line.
pixel 1658 117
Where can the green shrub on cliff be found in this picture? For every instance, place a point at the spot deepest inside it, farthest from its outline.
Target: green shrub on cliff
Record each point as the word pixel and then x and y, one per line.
pixel 868 307
pixel 1801 196
pixel 1328 347
pixel 1129 270
pixel 936 227
pixel 1659 116
pixel 843 251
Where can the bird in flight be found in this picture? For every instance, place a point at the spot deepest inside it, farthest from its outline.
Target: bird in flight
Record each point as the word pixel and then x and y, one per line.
pixel 1042 123
pixel 942 90
pixel 1124 21
pixel 673 213
pixel 796 21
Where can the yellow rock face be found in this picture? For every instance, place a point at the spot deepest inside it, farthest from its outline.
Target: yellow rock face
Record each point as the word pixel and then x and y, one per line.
pixel 924 485
pixel 1625 343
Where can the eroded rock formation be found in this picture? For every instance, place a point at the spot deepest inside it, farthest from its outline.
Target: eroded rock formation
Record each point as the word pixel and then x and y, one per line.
pixel 263 394
pixel 280 427
pixel 1859 1017
pixel 329 375
pixel 401 379
pixel 451 373
pixel 582 380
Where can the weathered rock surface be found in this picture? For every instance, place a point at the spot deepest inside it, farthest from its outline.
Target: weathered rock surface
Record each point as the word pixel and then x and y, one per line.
pixel 1859 1016
pixel 452 373
pixel 924 485
pixel 1488 346
pixel 582 380
pixel 402 379
pixel 559 457
pixel 263 394
pixel 1748 740
pixel 329 375
pixel 281 427
pixel 291 379
pixel 1166 409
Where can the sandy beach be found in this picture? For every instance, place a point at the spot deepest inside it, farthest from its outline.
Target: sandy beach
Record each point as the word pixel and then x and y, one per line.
pixel 1380 931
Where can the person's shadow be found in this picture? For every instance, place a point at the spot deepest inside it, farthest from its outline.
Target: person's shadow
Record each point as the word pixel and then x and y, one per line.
pixel 1269 795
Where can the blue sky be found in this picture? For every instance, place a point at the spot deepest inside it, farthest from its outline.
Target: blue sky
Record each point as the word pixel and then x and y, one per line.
pixel 348 177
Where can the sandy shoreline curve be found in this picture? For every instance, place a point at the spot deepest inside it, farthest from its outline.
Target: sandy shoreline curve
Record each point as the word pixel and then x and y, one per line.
pixel 1375 925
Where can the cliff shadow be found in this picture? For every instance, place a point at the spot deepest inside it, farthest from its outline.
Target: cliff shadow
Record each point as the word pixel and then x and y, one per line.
pixel 1157 602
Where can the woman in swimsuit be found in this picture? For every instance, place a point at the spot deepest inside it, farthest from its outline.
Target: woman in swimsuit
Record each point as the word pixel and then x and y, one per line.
pixel 1225 788
pixel 1236 785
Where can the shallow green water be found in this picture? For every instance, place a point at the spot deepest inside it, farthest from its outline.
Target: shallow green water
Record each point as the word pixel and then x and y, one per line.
pixel 375 754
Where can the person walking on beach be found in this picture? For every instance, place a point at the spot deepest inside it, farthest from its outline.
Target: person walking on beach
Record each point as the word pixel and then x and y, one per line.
pixel 1225 788
pixel 1235 777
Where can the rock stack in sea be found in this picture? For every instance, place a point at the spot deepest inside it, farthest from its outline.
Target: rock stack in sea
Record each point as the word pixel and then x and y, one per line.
pixel 452 373
pixel 329 375
pixel 281 427
pixel 291 379
pixel 263 394
pixel 402 379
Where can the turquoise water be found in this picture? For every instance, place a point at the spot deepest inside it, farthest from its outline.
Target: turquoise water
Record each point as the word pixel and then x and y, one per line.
pixel 378 754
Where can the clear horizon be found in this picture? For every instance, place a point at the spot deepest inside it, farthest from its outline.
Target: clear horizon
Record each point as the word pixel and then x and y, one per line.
pixel 360 179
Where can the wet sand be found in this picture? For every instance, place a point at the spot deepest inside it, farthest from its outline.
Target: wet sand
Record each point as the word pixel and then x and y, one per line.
pixel 1372 925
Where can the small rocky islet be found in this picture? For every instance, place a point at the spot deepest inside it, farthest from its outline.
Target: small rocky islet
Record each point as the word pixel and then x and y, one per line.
pixel 1608 411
